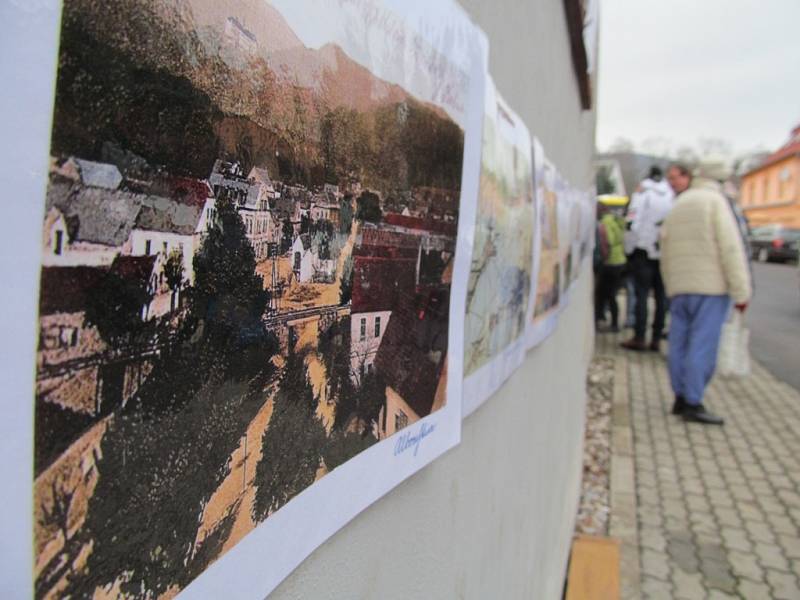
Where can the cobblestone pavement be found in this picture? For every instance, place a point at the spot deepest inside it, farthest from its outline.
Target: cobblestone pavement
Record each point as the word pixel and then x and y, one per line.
pixel 718 508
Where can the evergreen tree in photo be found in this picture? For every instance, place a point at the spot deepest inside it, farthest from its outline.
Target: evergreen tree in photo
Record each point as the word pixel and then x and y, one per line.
pixel 346 214
pixel 369 208
pixel 292 445
pixel 228 298
pixel 346 282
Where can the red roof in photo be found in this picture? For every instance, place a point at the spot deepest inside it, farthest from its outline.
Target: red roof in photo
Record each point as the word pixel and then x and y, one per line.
pixel 185 190
pixel 413 351
pixel 427 225
pixel 379 283
pixel 375 236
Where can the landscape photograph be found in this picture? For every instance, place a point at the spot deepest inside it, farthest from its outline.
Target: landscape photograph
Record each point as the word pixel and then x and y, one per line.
pixel 501 268
pixel 548 281
pixel 247 259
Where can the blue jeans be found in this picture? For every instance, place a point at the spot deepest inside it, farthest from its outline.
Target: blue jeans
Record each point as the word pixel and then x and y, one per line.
pixel 694 332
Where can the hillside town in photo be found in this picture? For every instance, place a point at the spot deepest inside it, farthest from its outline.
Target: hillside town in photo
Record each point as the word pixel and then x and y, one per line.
pixel 245 283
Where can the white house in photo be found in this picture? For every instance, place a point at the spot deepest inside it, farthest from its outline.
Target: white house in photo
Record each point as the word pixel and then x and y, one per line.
pixel 379 282
pixel 86 226
pixel 164 225
pixel 307 266
pixel 366 333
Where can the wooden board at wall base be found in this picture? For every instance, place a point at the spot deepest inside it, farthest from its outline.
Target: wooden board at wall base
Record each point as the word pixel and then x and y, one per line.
pixel 593 569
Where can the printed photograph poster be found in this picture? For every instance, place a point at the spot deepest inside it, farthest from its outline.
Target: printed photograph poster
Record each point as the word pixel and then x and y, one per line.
pixel 251 275
pixel 501 270
pixel 544 315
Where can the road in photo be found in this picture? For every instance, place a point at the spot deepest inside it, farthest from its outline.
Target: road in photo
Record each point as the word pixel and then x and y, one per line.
pixel 774 320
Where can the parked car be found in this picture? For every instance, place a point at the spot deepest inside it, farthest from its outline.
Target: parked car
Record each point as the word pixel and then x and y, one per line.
pixel 775 243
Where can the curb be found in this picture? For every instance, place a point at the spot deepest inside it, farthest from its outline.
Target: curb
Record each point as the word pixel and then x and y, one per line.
pixel 623 523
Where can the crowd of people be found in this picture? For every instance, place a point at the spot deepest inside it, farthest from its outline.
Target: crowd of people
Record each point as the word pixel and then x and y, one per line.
pixel 678 239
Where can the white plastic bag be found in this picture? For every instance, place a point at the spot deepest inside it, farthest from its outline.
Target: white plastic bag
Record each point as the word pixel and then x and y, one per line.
pixel 734 355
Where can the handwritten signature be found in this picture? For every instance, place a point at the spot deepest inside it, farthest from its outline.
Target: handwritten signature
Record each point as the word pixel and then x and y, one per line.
pixel 408 440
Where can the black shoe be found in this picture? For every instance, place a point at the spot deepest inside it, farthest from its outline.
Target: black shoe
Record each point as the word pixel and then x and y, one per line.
pixel 697 413
pixel 679 406
pixel 634 344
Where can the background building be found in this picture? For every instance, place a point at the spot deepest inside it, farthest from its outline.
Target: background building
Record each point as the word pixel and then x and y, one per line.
pixel 770 192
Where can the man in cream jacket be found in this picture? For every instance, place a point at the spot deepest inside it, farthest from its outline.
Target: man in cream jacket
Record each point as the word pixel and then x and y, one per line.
pixel 704 268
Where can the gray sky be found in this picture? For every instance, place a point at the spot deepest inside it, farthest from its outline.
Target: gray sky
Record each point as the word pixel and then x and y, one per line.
pixel 690 69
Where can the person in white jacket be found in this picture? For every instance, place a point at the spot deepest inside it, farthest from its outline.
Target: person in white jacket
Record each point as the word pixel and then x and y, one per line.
pixel 704 267
pixel 649 206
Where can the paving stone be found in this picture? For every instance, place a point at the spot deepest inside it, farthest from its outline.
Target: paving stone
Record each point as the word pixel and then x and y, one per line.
pixel 703 523
pixel 648 496
pixel 727 517
pixel 772 466
pixel 750 512
pixel 720 497
pixel 790 545
pixel 718 595
pixel 655 564
pixel 782 482
pixel 760 532
pixel 693 486
pixel 784 585
pixel 789 498
pixel 672 523
pixel 751 590
pixel 688 585
pixel 670 491
pixel 742 493
pixel 717 575
pixel 736 539
pixel 681 535
pixel 781 523
pixel 683 556
pixel 675 509
pixel 696 503
pixel 655 589
pixel 745 565
pixel 711 548
pixel 794 514
pixel 653 539
pixel 770 556
pixel 769 505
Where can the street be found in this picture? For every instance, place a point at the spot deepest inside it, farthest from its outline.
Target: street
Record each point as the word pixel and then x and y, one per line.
pixel 774 320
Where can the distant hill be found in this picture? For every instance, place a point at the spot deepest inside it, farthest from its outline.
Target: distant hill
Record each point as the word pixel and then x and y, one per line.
pixel 181 82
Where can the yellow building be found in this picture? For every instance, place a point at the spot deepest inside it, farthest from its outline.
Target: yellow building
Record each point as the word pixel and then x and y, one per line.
pixel 770 193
